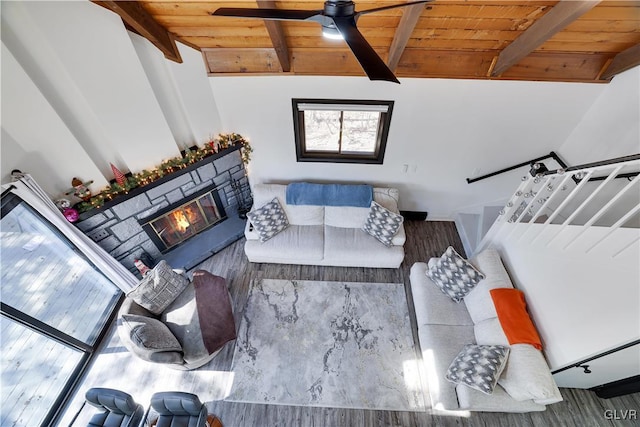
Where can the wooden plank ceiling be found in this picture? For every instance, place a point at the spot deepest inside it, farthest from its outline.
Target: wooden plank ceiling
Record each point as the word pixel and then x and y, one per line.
pixel 568 40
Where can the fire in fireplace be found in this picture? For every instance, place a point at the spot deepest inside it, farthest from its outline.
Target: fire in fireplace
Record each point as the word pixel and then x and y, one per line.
pixel 179 222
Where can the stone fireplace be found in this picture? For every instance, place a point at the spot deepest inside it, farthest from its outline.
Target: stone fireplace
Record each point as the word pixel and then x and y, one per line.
pixel 207 196
pixel 180 221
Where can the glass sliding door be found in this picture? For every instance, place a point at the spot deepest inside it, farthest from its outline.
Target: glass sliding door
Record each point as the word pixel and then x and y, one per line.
pixel 55 306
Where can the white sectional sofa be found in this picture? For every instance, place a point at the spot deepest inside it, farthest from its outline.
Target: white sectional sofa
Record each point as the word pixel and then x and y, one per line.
pixel 324 235
pixel 445 326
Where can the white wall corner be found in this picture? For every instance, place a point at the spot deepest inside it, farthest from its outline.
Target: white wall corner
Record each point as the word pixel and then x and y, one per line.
pixel 611 126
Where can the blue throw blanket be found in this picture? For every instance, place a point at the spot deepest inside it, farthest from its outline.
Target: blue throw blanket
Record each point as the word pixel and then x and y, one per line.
pixel 306 193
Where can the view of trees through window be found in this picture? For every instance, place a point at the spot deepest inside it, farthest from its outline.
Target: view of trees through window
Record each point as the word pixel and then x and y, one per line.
pixel 341 131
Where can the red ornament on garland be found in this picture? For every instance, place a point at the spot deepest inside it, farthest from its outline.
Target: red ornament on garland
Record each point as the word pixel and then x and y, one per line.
pixel 120 178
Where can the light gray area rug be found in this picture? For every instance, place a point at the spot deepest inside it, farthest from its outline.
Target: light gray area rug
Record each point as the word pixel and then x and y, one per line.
pixel 328 344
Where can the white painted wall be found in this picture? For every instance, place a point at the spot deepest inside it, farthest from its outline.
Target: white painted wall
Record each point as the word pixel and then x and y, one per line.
pixel 45 147
pixel 444 130
pixel 99 85
pixel 611 126
pixel 182 91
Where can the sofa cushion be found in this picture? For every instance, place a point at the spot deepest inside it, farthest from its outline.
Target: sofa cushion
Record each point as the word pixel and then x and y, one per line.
pixel 151 339
pixel 478 366
pixel 498 401
pixel 439 345
pixel 431 305
pixel 490 332
pixel 478 301
pixel 296 243
pixel 345 216
pixel 354 217
pixel 158 288
pixel 181 317
pixel 454 275
pixel 382 224
pixel 296 214
pixel 352 246
pixel 527 376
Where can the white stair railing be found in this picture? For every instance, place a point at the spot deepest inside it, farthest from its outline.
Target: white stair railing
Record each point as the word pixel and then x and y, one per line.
pixel 583 196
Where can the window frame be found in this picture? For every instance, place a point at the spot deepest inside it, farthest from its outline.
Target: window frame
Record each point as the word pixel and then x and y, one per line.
pixel 89 350
pixel 304 155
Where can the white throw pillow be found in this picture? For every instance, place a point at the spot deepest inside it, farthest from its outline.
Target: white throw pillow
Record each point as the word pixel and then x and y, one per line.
pixel 527 377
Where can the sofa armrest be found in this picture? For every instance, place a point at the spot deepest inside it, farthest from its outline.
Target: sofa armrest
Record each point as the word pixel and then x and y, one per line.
pixel 249 232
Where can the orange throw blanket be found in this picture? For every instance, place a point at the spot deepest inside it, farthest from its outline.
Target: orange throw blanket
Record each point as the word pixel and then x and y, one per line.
pixel 514 319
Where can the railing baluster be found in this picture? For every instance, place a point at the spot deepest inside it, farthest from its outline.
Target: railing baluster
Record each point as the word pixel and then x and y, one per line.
pixel 614 166
pixel 575 213
pixel 564 203
pixel 615 226
pixel 583 204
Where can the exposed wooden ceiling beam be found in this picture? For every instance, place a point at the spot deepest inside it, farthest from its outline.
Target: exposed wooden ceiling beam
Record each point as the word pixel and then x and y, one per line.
pixel 552 22
pixel 408 22
pixel 274 28
pixel 623 61
pixel 134 14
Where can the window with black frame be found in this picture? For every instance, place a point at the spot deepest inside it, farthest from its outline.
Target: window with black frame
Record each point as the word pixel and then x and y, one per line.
pixel 341 131
pixel 55 309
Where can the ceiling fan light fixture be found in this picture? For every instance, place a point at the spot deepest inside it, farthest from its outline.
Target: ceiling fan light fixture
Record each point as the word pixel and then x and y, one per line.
pixel 332 33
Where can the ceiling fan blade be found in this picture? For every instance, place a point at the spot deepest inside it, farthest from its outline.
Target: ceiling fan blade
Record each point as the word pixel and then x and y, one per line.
pixel 275 14
pixel 378 9
pixel 371 63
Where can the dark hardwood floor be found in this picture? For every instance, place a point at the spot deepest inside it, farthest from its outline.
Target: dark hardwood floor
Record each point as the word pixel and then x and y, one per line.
pixel 580 408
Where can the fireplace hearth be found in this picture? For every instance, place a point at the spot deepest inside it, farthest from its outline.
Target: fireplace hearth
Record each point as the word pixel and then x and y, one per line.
pixel 181 221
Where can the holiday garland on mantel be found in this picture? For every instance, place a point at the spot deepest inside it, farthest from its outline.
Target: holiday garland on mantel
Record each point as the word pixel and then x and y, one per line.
pixel 190 156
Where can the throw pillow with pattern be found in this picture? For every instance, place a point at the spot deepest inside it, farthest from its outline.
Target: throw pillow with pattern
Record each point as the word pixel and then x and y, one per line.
pixel 158 288
pixel 382 223
pixel 478 366
pixel 268 220
pixel 454 275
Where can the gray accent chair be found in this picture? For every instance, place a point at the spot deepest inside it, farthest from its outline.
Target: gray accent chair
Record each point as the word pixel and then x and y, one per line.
pixel 117 408
pixel 188 329
pixel 178 409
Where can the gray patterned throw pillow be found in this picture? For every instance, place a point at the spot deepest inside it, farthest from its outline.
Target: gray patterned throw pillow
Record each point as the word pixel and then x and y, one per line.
pixel 158 288
pixel 269 220
pixel 382 223
pixel 454 275
pixel 478 366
